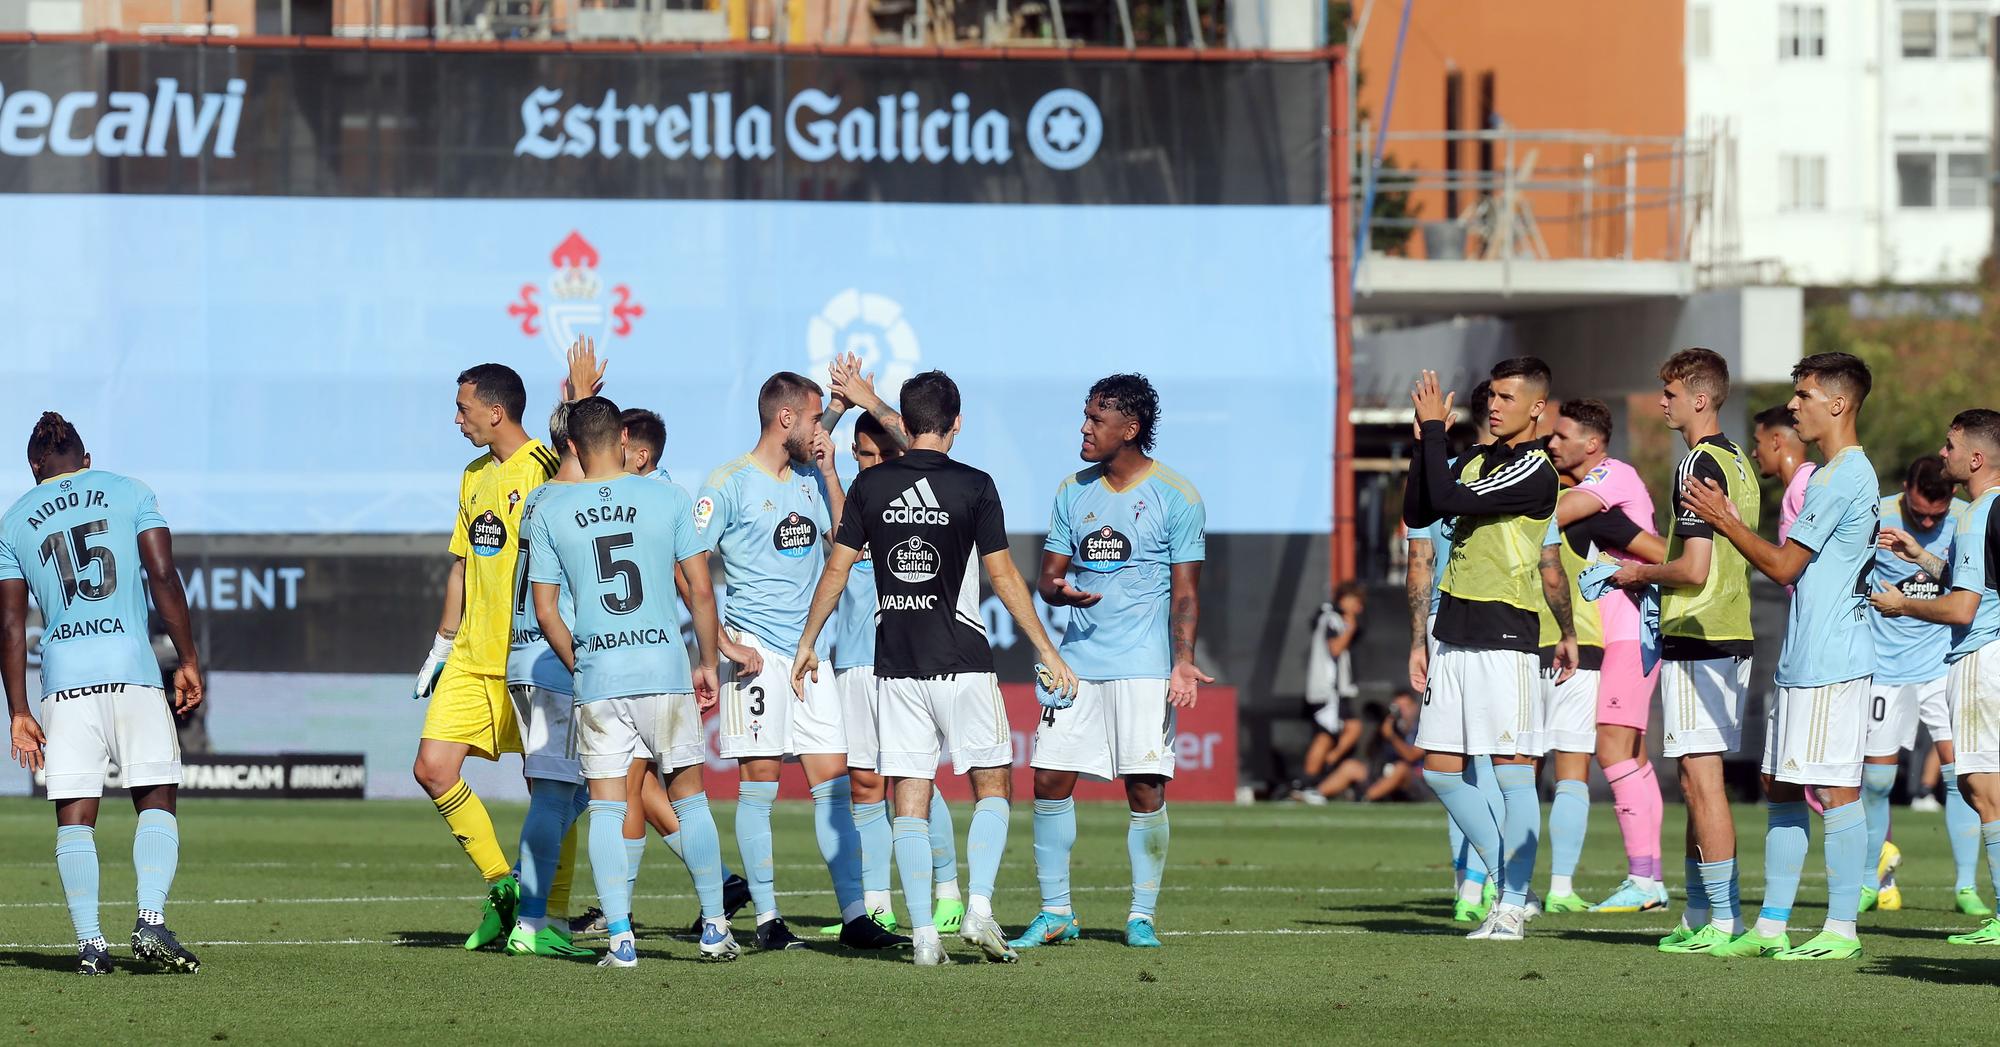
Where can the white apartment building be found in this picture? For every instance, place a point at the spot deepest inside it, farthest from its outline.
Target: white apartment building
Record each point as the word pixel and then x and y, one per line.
pixel 1862 133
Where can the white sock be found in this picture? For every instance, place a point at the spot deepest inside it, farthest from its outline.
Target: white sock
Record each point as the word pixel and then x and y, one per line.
pixel 947 890
pixel 980 905
pixel 1560 885
pixel 624 937
pixel 1644 883
pixel 720 923
pixel 1768 928
pixel 766 917
pixel 1146 916
pixel 1470 891
pixel 1844 928
pixel 533 924
pixel 875 901
pixel 1059 910
pixel 1731 927
pixel 924 936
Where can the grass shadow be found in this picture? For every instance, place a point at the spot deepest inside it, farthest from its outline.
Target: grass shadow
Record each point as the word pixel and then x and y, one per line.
pixel 433 940
pixel 1430 927
pixel 1981 971
pixel 27 959
pixel 1423 908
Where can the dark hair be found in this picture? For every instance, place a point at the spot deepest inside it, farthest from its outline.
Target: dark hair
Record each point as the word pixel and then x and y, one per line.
pixel 930 404
pixel 53 436
pixel 1844 373
pixel 1593 415
pixel 1701 370
pixel 1530 369
pixel 870 426
pixel 594 425
pixel 1348 588
pixel 1480 400
pixel 1779 417
pixel 1926 477
pixel 497 384
pixel 1978 422
pixel 780 391
pixel 1134 397
pixel 644 428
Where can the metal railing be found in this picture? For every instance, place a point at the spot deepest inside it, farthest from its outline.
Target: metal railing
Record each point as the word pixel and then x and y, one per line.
pixel 1510 194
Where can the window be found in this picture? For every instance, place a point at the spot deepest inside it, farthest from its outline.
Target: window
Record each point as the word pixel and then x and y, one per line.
pixel 1916 179
pixel 1801 31
pixel 1919 32
pixel 1967 34
pixel 1802 183
pixel 1965 180
pixel 1698 32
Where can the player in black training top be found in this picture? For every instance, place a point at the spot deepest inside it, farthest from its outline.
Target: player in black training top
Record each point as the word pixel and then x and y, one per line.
pixel 927 519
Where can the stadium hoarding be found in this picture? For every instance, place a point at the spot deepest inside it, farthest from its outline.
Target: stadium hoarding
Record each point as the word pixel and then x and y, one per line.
pixel 249 274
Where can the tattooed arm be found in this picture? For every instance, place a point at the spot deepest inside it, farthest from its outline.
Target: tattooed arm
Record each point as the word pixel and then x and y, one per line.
pixel 1555 588
pixel 1417 582
pixel 1184 617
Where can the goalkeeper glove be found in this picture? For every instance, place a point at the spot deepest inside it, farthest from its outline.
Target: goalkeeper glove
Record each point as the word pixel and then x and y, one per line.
pixel 1045 690
pixel 427 677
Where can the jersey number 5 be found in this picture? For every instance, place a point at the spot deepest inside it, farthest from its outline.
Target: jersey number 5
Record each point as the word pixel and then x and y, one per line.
pixel 70 566
pixel 610 569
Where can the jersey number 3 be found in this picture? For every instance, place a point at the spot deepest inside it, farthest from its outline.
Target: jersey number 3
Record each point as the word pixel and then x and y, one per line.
pixel 71 565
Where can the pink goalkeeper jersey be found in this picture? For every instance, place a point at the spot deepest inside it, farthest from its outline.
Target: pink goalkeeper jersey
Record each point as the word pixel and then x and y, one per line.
pixel 1795 500
pixel 1618 486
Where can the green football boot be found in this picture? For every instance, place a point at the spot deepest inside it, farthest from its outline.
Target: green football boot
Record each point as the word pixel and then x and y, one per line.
pixel 1970 904
pixel 1825 945
pixel 502 897
pixel 946 913
pixel 1750 944
pixel 546 942
pixel 1703 942
pixel 1987 934
pixel 1564 903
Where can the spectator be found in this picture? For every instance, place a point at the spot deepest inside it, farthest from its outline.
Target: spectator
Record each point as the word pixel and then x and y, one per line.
pixel 1330 689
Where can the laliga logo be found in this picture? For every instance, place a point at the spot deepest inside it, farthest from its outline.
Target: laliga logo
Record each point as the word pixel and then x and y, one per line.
pixel 871 326
pixel 576 299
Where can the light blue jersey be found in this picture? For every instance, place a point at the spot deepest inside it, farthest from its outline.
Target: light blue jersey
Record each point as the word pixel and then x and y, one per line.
pixel 617 541
pixel 1124 544
pixel 854 619
pixel 768 530
pixel 1438 532
pixel 1973 546
pixel 75 539
pixel 1829 638
pixel 530 662
pixel 1911 650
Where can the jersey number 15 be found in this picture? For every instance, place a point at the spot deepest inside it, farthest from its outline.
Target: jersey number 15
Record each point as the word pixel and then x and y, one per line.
pixel 71 565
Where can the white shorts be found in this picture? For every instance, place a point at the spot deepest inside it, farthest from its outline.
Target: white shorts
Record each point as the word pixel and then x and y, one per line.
pixel 1815 735
pixel 1483 703
pixel 960 714
pixel 762 717
pixel 1572 718
pixel 122 725
pixel 1326 716
pixel 1115 728
pixel 664 728
pixel 1701 705
pixel 1972 686
pixel 1895 709
pixel 548 733
pixel 859 692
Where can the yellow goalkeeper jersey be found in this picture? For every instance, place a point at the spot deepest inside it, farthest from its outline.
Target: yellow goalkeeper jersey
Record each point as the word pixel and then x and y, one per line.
pixel 487 537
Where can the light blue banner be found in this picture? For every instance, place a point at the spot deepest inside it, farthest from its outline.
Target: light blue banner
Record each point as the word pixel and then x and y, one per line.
pixel 286 364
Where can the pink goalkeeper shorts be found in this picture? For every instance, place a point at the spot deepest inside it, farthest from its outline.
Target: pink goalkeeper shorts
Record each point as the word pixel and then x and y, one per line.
pixel 1624 693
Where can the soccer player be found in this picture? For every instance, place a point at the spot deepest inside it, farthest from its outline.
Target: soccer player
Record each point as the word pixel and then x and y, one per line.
pixel 612 537
pixel 643 440
pixel 1781 456
pixel 1603 709
pixel 542 691
pixel 1817 724
pixel 1910 682
pixel 926 520
pixel 1972 610
pixel 79 540
pixel 767 514
pixel 1486 689
pixel 1124 552
pixel 1705 643
pixel 854 678
pixel 465 674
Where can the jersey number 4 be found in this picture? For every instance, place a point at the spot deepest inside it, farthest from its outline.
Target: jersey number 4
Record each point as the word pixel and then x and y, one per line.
pixel 71 553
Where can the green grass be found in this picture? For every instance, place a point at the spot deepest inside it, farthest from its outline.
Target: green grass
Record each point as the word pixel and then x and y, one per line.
pixel 329 922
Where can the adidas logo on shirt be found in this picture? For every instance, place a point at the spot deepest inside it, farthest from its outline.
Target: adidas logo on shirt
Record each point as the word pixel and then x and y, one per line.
pixel 917 504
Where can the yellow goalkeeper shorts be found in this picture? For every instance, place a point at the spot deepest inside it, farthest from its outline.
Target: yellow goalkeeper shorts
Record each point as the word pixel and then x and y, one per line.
pixel 473 710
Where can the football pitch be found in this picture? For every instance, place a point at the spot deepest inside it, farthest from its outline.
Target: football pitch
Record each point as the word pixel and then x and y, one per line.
pixel 342 922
